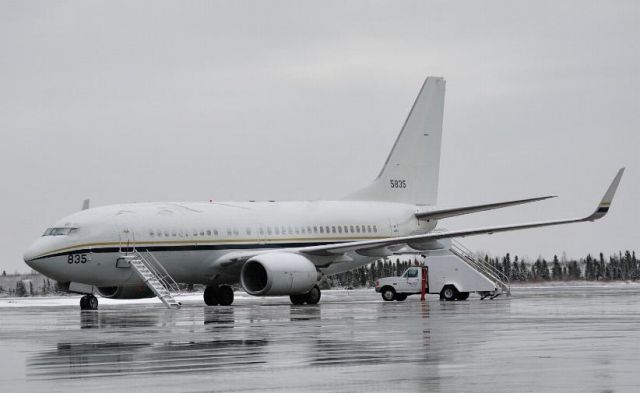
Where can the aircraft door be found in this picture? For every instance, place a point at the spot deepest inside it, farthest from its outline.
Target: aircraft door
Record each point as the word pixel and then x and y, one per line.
pixel 126 238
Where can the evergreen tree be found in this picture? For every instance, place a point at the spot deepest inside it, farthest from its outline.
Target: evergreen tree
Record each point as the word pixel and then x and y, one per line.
pixel 524 273
pixel 544 270
pixel 556 270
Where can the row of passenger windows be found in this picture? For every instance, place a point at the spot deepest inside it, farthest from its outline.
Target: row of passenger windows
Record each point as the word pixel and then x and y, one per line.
pixel 269 231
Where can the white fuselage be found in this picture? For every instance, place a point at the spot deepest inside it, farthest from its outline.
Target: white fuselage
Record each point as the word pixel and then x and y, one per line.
pixel 189 237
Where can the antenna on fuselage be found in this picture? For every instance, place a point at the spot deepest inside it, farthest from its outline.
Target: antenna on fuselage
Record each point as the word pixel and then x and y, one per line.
pixel 85 204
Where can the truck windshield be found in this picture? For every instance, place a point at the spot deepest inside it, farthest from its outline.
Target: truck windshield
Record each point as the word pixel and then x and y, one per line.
pixel 412 273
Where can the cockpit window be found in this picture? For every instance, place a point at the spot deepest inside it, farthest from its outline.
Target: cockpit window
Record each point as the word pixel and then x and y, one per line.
pixel 59 231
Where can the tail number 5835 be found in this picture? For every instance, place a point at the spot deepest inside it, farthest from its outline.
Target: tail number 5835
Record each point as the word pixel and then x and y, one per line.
pixel 398 183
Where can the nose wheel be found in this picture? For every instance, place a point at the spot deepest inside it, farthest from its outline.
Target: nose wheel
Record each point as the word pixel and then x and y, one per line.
pixel 88 302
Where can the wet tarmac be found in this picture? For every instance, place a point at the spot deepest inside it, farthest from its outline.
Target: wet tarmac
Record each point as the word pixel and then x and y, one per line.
pixel 552 339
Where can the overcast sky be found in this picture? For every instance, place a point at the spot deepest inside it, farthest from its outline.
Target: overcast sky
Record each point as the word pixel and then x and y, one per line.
pixel 148 100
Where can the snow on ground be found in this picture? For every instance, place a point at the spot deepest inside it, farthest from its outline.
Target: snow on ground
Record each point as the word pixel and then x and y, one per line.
pixel 193 297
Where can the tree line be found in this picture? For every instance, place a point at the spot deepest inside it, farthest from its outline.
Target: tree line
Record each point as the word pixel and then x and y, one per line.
pixel 620 266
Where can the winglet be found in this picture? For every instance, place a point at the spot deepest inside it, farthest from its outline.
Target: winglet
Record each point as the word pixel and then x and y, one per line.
pixel 605 203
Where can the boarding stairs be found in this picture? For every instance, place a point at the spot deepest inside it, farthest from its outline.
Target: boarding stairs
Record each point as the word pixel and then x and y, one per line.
pixel 155 276
pixel 488 270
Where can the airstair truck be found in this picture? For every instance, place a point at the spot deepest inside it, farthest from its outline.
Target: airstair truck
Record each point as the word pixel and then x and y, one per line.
pixel 452 273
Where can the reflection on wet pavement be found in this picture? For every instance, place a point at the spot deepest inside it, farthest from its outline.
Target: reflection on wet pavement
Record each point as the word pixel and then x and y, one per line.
pixel 549 339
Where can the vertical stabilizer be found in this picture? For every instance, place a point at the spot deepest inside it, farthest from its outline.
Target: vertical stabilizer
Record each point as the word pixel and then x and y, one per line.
pixel 410 174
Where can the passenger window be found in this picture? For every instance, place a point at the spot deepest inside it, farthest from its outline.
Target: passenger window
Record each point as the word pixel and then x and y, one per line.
pixel 358 228
pixel 151 232
pixel 302 230
pixel 375 229
pixel 339 229
pixel 369 228
pixel 261 230
pixel 236 232
pixel 297 229
pixel 284 230
pixel 333 229
pixel 309 230
pixel 248 230
pixel 269 231
pixel 215 232
pixel 315 229
pixel 208 232
pixel 351 228
pixel 321 230
pixel 277 230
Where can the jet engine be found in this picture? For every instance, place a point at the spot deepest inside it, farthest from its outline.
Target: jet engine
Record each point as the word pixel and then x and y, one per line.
pixel 277 274
pixel 126 292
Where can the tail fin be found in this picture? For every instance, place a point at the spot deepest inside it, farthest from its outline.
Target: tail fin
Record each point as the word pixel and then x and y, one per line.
pixel 410 174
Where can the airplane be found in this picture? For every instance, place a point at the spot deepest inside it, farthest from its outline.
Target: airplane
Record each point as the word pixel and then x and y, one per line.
pixel 272 248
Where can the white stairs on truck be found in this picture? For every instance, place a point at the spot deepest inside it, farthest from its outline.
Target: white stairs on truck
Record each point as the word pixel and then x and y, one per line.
pixel 487 269
pixel 155 277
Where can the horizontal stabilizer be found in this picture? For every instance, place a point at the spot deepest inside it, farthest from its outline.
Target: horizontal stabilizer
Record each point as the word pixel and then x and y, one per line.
pixel 458 211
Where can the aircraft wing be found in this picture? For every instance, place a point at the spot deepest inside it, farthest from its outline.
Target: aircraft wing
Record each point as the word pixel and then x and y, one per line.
pixel 458 211
pixel 336 249
pixel 332 249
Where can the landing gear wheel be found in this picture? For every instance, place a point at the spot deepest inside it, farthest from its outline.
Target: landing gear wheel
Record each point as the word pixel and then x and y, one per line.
pixel 448 293
pixel 401 297
pixel 88 302
pixel 313 297
pixel 388 294
pixel 225 295
pixel 462 295
pixel 298 299
pixel 211 296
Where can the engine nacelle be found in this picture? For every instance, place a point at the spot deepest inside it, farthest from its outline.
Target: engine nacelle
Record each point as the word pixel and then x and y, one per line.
pixel 126 292
pixel 277 274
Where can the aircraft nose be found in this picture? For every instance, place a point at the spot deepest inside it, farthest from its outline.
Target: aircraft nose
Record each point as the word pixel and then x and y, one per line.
pixel 31 254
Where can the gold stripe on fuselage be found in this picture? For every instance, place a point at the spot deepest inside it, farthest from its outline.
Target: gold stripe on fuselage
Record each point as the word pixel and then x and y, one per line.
pixel 200 242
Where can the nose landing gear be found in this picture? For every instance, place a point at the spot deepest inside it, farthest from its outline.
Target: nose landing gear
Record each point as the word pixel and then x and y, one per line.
pixel 88 302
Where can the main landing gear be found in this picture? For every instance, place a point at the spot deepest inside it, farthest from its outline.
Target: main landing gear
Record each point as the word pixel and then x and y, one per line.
pixel 311 297
pixel 88 302
pixel 218 295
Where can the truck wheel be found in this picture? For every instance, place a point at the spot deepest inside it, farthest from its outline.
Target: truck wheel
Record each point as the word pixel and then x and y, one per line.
pixel 401 297
pixel 462 296
pixel 388 294
pixel 448 293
